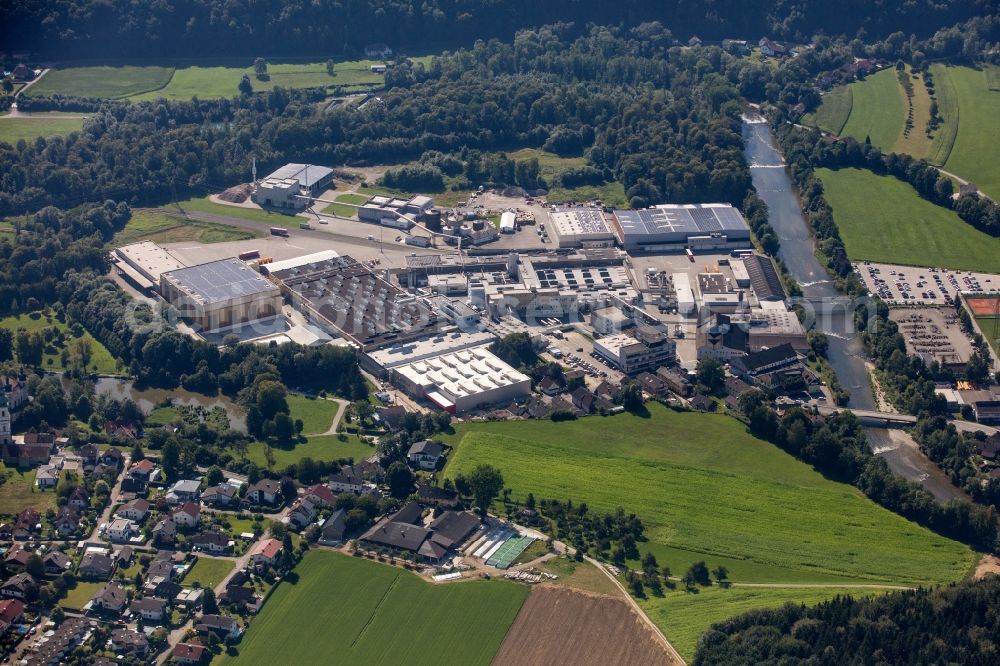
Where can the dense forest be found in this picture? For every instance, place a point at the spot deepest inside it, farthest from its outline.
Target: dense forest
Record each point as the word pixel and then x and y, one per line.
pixel 191 28
pixel 665 122
pixel 950 625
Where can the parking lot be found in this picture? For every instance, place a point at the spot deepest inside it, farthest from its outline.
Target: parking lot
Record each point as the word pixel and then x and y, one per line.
pixel 933 332
pixel 908 285
pixel 577 351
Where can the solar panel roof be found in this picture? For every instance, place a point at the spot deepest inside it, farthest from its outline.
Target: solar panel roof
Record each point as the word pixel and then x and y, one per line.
pixel 691 219
pixel 219 281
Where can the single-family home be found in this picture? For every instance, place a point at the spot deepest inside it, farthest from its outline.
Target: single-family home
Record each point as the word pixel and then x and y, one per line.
pixel 126 641
pixel 136 510
pixel 149 608
pixel 165 531
pixel 265 491
pixel 122 529
pixel 11 613
pixel 19 586
pixel 425 454
pixel 112 598
pixel 79 499
pixel 185 490
pixel 112 457
pixel 28 522
pixel 772 49
pixel 267 552
pixel 210 542
pixel 188 653
pixel 332 532
pixel 346 481
pixel 219 624
pixel 56 562
pixel 17 557
pixel 47 476
pixel 95 566
pixel 187 516
pixel 391 417
pixel 145 470
pixel 320 495
pixel 67 521
pixel 302 513
pixel 221 496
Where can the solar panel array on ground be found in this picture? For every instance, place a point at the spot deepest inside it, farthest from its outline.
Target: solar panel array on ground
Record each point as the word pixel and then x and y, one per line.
pixel 509 551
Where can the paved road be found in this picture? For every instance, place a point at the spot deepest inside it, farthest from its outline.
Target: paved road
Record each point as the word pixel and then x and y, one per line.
pixel 116 494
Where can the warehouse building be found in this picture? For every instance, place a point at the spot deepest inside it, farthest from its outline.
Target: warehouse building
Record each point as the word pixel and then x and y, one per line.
pixel 463 380
pixel 577 227
pixel 220 293
pixel 347 298
pixel 671 228
pixel 646 352
pixel 764 279
pixel 143 263
pixel 393 212
pixel 285 187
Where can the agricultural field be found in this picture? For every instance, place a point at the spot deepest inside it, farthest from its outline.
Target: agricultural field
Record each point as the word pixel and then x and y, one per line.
pixel 156 226
pixel 13 130
pixel 883 219
pixel 316 414
pixel 579 576
pixel 103 81
pixel 947 99
pixel 208 572
pixel 351 610
pixel 593 630
pixel 878 110
pixel 833 113
pixel 685 616
pixel 149 82
pixel 101 361
pixel 320 447
pixel 706 490
pixel 974 155
pixel 18 492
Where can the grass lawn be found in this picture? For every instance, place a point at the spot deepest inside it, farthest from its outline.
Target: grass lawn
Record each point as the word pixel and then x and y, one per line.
pixel 18 492
pixel 78 597
pixel 533 552
pixel 101 360
pixel 325 448
pixel 205 205
pixel 878 109
pixel 162 416
pixel 974 155
pixel 316 414
pixel 580 576
pixel 352 610
pixel 916 143
pixel 159 227
pixel 13 130
pixel 947 99
pixel 884 219
pixel 551 165
pixel 707 490
pixel 684 617
pixel 208 572
pixel 338 209
pixel 350 198
pixel 990 327
pixel 833 113
pixel 107 82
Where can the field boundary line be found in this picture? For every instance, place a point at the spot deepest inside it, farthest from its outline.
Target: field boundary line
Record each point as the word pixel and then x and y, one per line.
pixel 947 132
pixel 173 70
pixel 375 610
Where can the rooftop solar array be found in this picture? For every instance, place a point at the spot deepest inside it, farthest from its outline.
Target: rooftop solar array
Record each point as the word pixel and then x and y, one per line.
pixel 219 281
pixel 689 219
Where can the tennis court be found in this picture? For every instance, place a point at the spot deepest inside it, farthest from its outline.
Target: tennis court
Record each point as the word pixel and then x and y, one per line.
pixel 509 551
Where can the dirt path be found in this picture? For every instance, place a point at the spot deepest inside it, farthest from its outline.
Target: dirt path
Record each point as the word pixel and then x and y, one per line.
pixel 821 586
pixel 332 430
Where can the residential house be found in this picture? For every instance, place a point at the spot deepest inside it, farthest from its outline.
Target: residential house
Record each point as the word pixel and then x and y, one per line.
pixel 94 566
pixel 265 491
pixel 89 454
pixel 122 529
pixel 112 457
pixel 67 521
pixel 219 624
pixel 136 510
pixel 124 556
pixel 112 598
pixel 736 46
pixel 239 596
pixel 149 608
pixel 134 486
pixel 79 499
pixel 583 400
pixel 453 528
pixel 185 490
pixel 771 49
pixel 28 522
pixel 676 380
pixel 221 496
pixel 187 516
pixel 47 476
pixel 771 369
pixel 126 641
pixel 145 470
pixel 16 392
pixel 163 588
pixel 606 390
pixel 346 481
pixel 162 566
pixel 6 531
pixel 56 562
pixel 188 653
pixel 400 532
pixel 652 384
pixel 17 557
pixel 165 531
pixel 302 513
pixel 990 447
pixel 122 431
pixel 189 598
pixel 19 586
pixel 210 542
pixel 332 532
pixel 702 403
pixel 391 417
pixel 694 42
pixel 63 640
pixel 11 613
pixel 550 386
pixel 425 454
pixel 320 495
pixel 22 72
pixel 267 552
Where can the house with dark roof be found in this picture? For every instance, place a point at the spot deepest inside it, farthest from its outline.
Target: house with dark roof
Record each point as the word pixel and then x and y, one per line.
pixel 17 557
pixel 453 528
pixel 188 653
pixel 771 49
pixel 332 532
pixel 391 417
pixel 766 360
pixel 112 598
pixel 425 454
pixel 346 480
pixel 221 496
pixel 28 522
pixel 11 613
pixel 126 641
pixel 210 542
pixel 239 596
pixel 675 380
pixel 94 566
pixel 429 494
pixel 67 521
pixel 265 491
pixel 990 447
pixel 219 624
pixel 150 608
pixel 112 457
pixel 19 586
pixel 165 531
pixel 401 532
pixel 136 510
pixel 56 562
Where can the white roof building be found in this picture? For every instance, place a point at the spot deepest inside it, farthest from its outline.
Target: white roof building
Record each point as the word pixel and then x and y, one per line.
pixel 580 225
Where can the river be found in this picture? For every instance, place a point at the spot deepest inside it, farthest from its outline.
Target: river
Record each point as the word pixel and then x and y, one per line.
pixel 846 352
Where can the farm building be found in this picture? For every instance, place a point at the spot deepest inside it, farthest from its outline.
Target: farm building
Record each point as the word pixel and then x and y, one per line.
pixel 581 226
pixel 673 227
pixel 463 380
pixel 220 293
pixel 346 298
pixel 285 187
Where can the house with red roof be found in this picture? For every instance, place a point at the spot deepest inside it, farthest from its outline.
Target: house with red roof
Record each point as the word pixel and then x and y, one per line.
pixel 267 552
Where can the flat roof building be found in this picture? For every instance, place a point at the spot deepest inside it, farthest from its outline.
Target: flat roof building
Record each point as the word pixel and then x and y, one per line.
pixel 466 380
pixel 220 293
pixel 143 263
pixel 285 187
pixel 580 226
pixel 348 299
pixel 670 227
pixel 632 355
